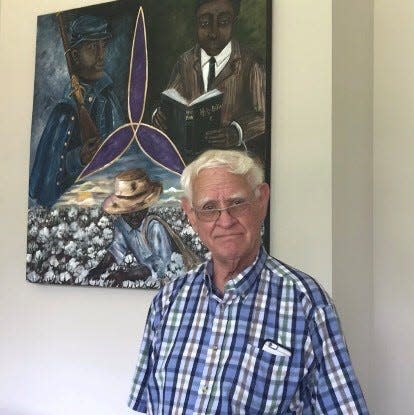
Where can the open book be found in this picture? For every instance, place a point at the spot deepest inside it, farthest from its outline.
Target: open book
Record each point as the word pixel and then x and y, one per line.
pixel 187 122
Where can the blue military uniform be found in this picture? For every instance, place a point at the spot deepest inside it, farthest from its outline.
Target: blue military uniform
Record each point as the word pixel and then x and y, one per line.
pixel 57 162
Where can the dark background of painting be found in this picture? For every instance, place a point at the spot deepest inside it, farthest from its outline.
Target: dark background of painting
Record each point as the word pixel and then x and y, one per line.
pixel 170 26
pixel 171 30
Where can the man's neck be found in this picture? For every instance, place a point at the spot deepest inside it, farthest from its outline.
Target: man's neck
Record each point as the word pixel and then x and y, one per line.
pixel 225 270
pixel 224 53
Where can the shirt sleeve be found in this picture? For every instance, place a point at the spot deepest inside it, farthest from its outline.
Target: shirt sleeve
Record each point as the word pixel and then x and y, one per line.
pixel 336 387
pixel 252 123
pixel 160 245
pixel 73 161
pixel 50 176
pixel 176 79
pixel 138 396
pixel 118 247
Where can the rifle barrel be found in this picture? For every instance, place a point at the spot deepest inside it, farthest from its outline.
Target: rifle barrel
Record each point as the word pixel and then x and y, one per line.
pixel 88 129
pixel 65 41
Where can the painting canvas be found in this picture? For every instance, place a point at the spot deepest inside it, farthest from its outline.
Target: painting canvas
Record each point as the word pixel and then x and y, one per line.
pixel 108 145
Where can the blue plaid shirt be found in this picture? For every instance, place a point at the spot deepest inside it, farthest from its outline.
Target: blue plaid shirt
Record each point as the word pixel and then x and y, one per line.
pixel 271 344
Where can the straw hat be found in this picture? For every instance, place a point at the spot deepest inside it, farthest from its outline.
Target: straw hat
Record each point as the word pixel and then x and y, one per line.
pixel 133 192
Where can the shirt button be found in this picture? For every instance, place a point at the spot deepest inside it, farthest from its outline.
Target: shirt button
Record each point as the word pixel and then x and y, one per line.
pixel 66 144
pixel 215 347
pixel 57 183
pixel 60 169
pixel 72 118
pixel 205 389
pixel 69 132
pixel 61 156
pixel 90 99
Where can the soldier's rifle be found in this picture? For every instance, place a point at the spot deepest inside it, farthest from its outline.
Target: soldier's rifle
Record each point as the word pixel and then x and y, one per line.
pixel 87 127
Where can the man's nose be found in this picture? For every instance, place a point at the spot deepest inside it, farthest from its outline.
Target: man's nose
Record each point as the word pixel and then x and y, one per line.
pixel 225 220
pixel 101 49
pixel 213 31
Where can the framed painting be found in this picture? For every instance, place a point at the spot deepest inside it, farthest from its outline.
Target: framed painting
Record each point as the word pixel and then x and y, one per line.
pixel 125 95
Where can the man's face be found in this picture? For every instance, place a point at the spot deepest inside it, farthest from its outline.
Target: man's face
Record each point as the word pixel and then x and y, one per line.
pixel 89 59
pixel 134 219
pixel 215 25
pixel 229 238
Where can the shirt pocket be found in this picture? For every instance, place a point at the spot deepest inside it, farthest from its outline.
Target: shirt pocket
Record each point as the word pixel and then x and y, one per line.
pixel 259 385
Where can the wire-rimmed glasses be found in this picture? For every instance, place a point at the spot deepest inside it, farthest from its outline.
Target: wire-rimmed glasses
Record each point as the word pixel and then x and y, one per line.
pixel 234 210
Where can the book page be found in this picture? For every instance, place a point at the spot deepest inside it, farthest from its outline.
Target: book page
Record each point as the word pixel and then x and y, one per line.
pixel 175 95
pixel 207 95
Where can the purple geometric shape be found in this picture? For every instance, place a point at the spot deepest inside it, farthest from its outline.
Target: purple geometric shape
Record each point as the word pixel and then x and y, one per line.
pixel 156 145
pixel 111 149
pixel 137 87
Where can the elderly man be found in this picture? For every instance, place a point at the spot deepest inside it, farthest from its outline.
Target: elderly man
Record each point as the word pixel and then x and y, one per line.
pixel 219 61
pixel 243 333
pixel 61 155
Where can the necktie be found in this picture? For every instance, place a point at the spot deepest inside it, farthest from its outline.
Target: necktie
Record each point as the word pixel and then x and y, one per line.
pixel 211 72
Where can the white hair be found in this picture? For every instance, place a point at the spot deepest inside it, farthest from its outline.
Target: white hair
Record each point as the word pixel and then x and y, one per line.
pixel 236 162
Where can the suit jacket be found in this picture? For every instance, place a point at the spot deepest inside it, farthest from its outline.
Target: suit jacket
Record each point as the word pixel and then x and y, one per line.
pixel 242 82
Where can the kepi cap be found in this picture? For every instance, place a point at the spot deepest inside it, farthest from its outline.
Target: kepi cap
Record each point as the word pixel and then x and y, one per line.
pixel 88 28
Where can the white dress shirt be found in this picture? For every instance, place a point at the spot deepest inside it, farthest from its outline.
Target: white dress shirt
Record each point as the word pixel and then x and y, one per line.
pixel 221 59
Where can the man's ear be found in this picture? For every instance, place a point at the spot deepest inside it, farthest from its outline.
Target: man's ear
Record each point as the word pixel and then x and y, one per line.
pixel 263 199
pixel 186 206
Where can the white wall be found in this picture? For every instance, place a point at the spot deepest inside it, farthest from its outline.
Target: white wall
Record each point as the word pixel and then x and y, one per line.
pixel 301 201
pixel 352 228
pixel 393 361
pixel 63 350
pixel 72 350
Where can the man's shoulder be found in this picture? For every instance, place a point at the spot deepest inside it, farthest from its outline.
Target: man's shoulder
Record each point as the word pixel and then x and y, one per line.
pixel 191 277
pixel 190 55
pixel 171 290
pixel 250 55
pixel 245 53
pixel 152 220
pixel 62 111
pixel 104 83
pixel 119 222
pixel 153 225
pixel 307 287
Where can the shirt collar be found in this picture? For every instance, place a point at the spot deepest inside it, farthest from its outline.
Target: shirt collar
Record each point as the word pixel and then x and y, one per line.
pixel 127 227
pixel 224 54
pixel 242 282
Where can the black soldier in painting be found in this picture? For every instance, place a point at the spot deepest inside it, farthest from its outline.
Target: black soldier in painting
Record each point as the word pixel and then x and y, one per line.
pixel 62 153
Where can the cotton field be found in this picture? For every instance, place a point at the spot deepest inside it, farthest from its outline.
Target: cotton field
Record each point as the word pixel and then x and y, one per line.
pixel 64 244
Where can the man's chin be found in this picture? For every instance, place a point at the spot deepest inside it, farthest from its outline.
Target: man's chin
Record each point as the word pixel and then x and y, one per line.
pixel 91 75
pixel 230 249
pixel 213 50
pixel 229 240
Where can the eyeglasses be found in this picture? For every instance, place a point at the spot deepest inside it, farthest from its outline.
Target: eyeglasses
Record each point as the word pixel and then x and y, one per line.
pixel 235 210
